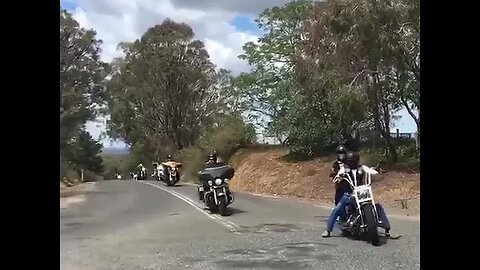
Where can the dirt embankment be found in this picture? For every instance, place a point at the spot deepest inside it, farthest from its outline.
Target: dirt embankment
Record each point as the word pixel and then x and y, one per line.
pixel 73 194
pixel 267 172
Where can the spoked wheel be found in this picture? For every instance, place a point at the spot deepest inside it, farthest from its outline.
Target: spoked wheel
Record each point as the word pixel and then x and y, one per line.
pixel 372 225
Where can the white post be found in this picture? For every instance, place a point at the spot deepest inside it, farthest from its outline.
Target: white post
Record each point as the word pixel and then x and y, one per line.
pixel 81 175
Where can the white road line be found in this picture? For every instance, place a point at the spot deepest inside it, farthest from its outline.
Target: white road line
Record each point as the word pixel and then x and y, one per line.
pixel 232 227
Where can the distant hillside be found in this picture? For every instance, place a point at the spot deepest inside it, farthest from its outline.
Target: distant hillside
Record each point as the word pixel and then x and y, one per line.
pixel 111 151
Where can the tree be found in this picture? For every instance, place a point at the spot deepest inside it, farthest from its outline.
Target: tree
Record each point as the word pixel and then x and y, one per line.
pixel 363 41
pixel 163 91
pixel 82 90
pixel 84 153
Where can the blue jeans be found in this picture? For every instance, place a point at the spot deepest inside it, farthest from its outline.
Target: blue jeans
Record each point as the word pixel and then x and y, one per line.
pixel 339 210
pixel 338 195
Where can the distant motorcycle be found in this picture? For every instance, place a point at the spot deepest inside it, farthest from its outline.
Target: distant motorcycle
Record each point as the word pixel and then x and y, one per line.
pixel 362 217
pixel 157 172
pixel 142 174
pixel 214 191
pixel 134 176
pixel 171 175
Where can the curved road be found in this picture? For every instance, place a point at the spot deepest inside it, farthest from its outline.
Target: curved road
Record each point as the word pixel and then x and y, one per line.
pixel 146 225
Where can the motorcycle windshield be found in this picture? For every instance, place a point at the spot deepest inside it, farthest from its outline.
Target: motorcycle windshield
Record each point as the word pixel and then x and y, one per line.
pixel 212 173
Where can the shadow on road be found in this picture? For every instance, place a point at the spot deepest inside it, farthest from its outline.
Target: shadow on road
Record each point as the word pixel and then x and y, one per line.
pixel 233 210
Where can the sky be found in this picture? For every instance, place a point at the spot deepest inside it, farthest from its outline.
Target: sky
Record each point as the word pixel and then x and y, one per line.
pixel 223 25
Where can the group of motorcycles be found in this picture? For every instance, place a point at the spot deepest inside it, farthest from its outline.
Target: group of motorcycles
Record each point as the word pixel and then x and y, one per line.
pixel 165 171
pixel 361 221
pixel 214 190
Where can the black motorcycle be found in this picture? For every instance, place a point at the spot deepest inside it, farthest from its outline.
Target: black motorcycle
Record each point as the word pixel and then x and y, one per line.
pixel 362 217
pixel 214 191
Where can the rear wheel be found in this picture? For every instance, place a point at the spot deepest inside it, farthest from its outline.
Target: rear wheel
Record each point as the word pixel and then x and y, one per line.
pixel 372 225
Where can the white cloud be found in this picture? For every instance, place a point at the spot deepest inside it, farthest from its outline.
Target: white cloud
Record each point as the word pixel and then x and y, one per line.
pixel 126 20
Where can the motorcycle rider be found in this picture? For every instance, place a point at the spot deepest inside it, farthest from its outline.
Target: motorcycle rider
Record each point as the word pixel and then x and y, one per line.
pixel 140 169
pixel 212 158
pixel 341 152
pixel 156 169
pixel 352 160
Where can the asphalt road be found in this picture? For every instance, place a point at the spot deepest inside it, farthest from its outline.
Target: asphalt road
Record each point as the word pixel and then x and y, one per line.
pixel 136 225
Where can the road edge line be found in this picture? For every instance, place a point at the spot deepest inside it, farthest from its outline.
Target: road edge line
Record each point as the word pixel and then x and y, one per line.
pixel 232 227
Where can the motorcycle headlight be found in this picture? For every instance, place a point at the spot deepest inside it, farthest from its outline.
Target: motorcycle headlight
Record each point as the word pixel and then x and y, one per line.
pixel 218 181
pixel 210 183
pixel 364 194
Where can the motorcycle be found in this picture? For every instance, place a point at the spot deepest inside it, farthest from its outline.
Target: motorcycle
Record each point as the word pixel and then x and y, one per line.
pixel 214 191
pixel 142 174
pixel 362 217
pixel 157 172
pixel 134 176
pixel 172 174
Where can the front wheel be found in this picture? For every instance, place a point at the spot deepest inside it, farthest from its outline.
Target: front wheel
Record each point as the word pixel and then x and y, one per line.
pixel 222 206
pixel 372 225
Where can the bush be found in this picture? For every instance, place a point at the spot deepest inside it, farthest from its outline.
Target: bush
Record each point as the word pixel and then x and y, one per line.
pixel 115 165
pixel 407 152
pixel 226 138
pixel 193 159
pixel 72 176
pixel 371 157
pixel 89 176
pixel 229 136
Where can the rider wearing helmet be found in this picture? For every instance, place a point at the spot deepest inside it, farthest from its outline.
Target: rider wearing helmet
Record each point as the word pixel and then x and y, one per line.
pixel 212 158
pixel 352 161
pixel 337 164
pixel 341 151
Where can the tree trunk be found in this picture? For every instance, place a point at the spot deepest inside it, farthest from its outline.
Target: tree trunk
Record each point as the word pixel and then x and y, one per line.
pixel 373 91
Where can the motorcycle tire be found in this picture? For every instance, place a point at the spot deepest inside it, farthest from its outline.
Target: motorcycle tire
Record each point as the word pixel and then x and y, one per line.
pixel 222 207
pixel 372 225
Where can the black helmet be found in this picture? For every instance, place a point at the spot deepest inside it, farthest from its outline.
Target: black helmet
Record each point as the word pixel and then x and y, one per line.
pixel 213 156
pixel 352 159
pixel 341 149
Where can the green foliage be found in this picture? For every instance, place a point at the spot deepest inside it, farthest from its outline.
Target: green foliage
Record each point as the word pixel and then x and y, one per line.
pixel 81 92
pixel 193 158
pixel 408 152
pixel 115 165
pixel 324 71
pixel 228 134
pixel 163 91
pixel 83 152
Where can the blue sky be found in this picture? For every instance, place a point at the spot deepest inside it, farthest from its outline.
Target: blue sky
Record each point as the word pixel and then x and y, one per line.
pixel 69 5
pixel 224 25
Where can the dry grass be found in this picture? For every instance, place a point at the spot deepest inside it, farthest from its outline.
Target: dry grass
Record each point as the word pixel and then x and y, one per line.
pixel 266 172
pixel 73 194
